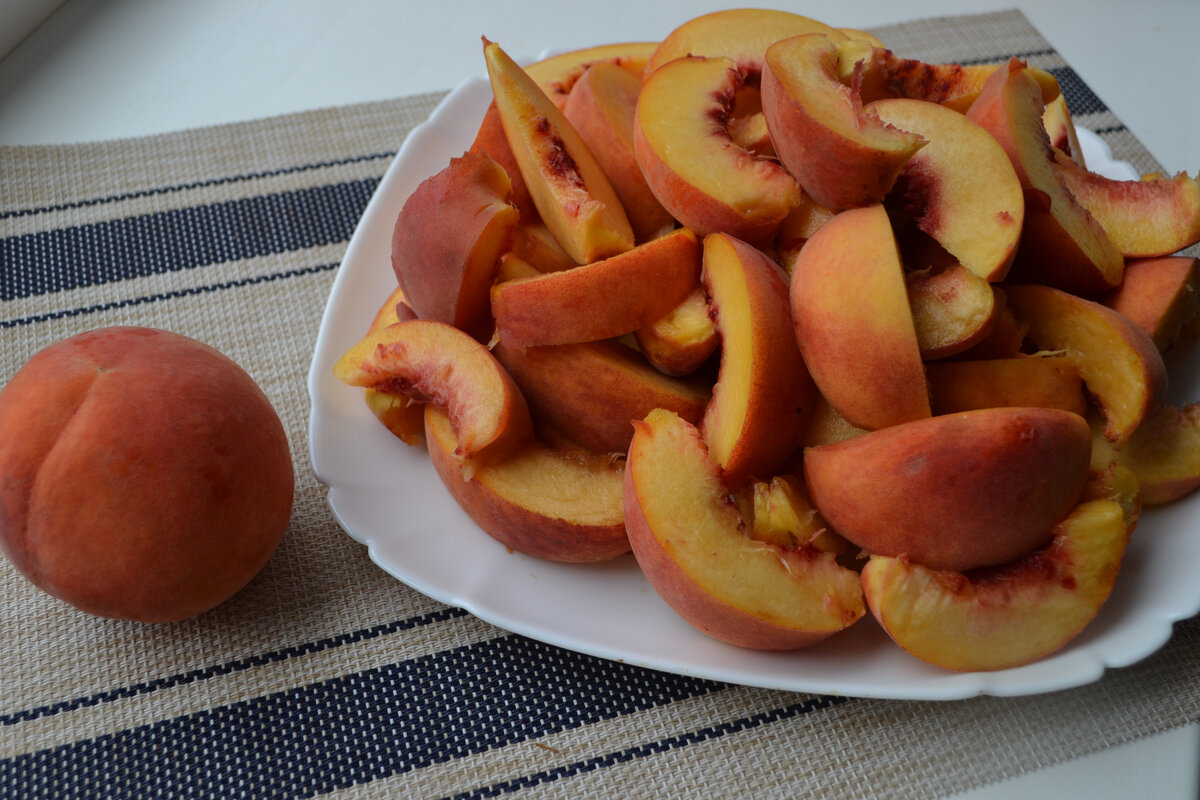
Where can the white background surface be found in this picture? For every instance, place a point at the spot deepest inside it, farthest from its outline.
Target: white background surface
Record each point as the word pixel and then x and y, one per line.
pixel 101 70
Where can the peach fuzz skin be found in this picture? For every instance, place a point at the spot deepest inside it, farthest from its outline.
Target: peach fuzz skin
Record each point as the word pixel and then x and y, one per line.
pixel 143 474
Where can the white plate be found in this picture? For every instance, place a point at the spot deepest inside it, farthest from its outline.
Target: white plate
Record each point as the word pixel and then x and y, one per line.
pixel 387 496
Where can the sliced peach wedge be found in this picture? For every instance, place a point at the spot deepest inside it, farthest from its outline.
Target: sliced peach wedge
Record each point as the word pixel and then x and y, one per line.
pixel 557 75
pixel 1043 380
pixel 439 364
pixel 572 194
pixel 601 300
pixel 1062 245
pixel 960 188
pixel 689 160
pixel 1119 363
pixel 763 397
pixel 1005 616
pixel 854 324
pixel 740 34
pixel 842 154
pixel 601 107
pixel 1163 453
pixel 957 491
pixel 1160 295
pixel 683 339
pixel 447 238
pixel 953 309
pixel 557 504
pixel 692 545
pixel 402 415
pixel 591 391
pixel 1155 216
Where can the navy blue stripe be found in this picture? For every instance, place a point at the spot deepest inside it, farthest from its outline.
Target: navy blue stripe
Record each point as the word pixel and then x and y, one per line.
pixel 806 706
pixel 168 241
pixel 229 667
pixel 1080 97
pixel 65 313
pixel 183 187
pixel 354 729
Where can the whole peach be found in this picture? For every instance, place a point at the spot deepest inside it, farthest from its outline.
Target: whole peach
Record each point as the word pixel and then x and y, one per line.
pixel 143 474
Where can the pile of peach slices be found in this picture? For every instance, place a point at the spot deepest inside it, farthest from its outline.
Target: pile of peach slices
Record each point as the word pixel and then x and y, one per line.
pixel 810 328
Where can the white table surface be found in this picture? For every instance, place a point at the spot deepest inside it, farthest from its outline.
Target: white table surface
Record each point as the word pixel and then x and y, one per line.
pixel 120 68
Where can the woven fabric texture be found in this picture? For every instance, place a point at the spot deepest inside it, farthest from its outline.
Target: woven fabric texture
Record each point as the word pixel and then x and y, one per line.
pixel 325 676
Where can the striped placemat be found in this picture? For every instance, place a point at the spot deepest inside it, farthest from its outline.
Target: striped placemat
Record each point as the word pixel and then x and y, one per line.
pixel 326 677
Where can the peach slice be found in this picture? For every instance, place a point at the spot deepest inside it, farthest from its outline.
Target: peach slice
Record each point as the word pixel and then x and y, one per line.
pixel 853 321
pixel 1163 453
pixel 1007 616
pixel 690 542
pixel 436 363
pixel 1154 216
pixel 572 194
pixel 601 107
pixel 561 505
pixel 1061 244
pixel 593 390
pixel 1060 128
pixel 1117 360
pixel 447 238
pixel 797 228
pixel 1160 296
pixel 534 244
pixel 490 140
pixel 960 188
pixel 955 86
pixel 1038 381
pixel 399 413
pixel 601 300
pixel 952 309
pixel 557 75
pixel 683 146
pixel 1007 334
pixel 955 492
pixel 762 400
pixel 842 154
pixel 740 34
pixel 682 340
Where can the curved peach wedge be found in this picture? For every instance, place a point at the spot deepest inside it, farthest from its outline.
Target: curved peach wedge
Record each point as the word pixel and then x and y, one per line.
pixel 953 309
pixel 399 413
pixel 1008 616
pixel 561 505
pixel 842 154
pixel 690 542
pixel 447 238
pixel 683 146
pixel 960 188
pixel 601 300
pixel 572 194
pixel 954 492
pixel 601 107
pixel 439 364
pixel 740 34
pixel 558 74
pixel 680 341
pixel 1160 295
pixel 1155 216
pixel 763 397
pixel 1119 363
pixel 1163 453
pixel 592 390
pixel 854 324
pixel 1061 244
pixel 1042 381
